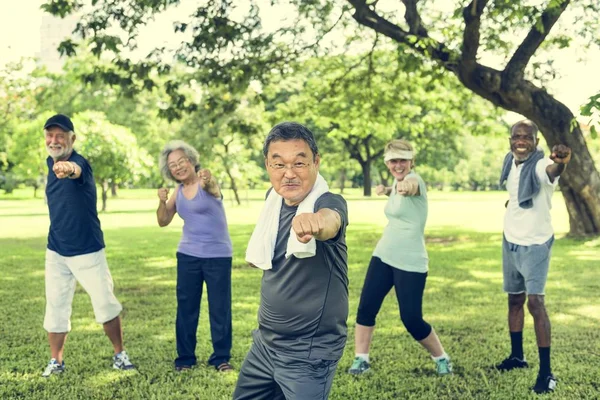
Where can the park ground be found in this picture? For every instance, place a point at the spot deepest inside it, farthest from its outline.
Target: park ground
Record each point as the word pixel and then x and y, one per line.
pixel 463 301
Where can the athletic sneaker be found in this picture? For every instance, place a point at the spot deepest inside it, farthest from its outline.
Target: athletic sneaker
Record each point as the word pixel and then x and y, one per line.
pixel 359 366
pixel 53 367
pixel 443 366
pixel 121 361
pixel 511 363
pixel 544 384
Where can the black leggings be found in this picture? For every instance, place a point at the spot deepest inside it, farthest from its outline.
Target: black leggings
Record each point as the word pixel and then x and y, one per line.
pixel 409 291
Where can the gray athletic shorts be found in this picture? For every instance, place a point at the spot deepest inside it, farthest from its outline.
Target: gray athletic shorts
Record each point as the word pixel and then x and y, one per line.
pixel 266 375
pixel 525 268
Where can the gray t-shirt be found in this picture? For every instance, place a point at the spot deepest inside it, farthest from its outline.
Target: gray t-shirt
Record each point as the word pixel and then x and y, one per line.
pixel 304 302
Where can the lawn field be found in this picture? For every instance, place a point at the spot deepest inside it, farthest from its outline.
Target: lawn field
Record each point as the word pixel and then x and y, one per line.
pixel 463 301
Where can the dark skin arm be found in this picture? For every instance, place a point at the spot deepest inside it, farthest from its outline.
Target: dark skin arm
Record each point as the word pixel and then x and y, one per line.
pixel 561 155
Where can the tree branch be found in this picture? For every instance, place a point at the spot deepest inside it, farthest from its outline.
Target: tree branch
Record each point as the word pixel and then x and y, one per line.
pixel 425 45
pixel 371 66
pixel 516 66
pixel 336 81
pixel 353 149
pixel 412 17
pixel 472 16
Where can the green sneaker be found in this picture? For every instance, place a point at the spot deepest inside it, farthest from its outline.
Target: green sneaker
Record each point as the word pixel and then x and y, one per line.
pixel 359 366
pixel 444 366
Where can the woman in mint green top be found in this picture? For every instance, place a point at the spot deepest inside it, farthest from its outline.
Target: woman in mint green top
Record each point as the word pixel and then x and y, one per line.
pixel 403 242
pixel 400 261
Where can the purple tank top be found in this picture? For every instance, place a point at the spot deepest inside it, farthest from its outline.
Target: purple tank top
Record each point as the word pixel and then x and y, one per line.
pixel 205 233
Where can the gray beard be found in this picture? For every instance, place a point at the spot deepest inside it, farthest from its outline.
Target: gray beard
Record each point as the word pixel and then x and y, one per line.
pixel 521 159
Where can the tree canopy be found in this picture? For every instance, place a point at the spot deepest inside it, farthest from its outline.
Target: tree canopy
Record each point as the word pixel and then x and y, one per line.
pixel 227 42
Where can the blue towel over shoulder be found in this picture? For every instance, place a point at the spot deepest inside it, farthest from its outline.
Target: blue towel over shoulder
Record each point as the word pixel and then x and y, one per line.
pixel 529 184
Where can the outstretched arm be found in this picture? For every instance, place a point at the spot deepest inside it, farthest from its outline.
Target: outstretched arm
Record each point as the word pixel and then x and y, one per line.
pixel 166 207
pixel 561 155
pixel 322 225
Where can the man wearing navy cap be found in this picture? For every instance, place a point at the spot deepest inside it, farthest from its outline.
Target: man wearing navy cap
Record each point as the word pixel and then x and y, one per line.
pixel 75 251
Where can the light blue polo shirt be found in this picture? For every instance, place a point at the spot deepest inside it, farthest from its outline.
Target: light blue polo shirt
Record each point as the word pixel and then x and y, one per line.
pixel 403 242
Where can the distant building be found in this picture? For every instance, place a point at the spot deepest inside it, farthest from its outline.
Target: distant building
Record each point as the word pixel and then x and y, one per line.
pixel 54 30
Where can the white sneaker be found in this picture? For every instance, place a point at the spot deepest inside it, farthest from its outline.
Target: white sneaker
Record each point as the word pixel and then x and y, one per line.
pixel 121 361
pixel 53 367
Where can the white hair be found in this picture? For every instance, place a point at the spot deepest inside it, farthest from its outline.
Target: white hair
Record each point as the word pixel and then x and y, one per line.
pixel 190 152
pixel 69 133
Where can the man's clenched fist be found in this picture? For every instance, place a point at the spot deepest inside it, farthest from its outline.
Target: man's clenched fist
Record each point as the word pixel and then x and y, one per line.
pixel 307 226
pixel 561 154
pixel 63 169
pixel 380 190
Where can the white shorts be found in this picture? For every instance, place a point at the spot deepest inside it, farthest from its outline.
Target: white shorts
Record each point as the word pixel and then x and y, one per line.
pixel 62 275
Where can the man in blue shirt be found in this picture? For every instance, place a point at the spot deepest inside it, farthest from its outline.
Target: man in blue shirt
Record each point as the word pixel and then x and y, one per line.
pixel 75 251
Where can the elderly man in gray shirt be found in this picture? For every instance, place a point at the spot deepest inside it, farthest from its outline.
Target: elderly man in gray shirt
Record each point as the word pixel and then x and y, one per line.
pixel 299 241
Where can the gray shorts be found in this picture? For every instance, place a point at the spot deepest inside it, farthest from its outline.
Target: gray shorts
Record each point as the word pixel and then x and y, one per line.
pixel 266 375
pixel 525 268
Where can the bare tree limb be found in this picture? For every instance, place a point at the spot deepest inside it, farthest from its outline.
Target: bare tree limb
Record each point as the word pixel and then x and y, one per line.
pixel 336 81
pixel 412 17
pixel 425 45
pixel 516 66
pixel 472 16
pixel 371 68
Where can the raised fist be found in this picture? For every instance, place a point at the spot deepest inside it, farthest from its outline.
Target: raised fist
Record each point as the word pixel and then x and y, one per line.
pixel 63 169
pixel 561 154
pixel 407 188
pixel 380 190
pixel 205 177
pixel 308 225
pixel 163 194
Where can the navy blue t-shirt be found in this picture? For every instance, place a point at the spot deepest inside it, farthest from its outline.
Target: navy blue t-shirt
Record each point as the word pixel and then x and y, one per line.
pixel 74 224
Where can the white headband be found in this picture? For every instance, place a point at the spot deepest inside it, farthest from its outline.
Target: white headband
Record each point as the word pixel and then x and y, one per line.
pixel 398 155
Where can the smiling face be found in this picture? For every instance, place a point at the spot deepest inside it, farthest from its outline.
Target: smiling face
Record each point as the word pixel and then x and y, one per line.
pixel 180 166
pixel 59 143
pixel 523 142
pixel 292 169
pixel 399 168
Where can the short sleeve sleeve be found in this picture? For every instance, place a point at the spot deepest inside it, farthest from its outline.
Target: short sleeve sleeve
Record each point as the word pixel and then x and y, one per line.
pixel 336 203
pixel 540 170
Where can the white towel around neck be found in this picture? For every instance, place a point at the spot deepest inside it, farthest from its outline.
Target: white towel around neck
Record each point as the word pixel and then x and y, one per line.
pixel 261 247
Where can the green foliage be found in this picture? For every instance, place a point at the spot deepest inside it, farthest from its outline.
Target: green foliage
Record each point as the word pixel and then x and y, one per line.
pixel 228 133
pixel 111 150
pixel 592 110
pixel 360 103
pixel 28 151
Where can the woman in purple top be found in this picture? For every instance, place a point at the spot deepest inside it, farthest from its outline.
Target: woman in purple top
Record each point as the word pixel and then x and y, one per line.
pixel 204 253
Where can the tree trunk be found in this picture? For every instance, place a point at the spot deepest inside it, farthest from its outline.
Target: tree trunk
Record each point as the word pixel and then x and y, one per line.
pixel 579 183
pixel 342 180
pixel 233 185
pixel 383 178
pixel 35 189
pixel 366 171
pixel 104 187
pixel 113 189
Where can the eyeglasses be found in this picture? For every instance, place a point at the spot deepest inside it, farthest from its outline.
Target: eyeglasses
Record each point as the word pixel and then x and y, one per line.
pixel 180 163
pixel 297 167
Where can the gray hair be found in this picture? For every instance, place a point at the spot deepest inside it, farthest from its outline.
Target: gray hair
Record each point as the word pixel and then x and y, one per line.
pixel 527 125
pixel 69 133
pixel 290 131
pixel 190 152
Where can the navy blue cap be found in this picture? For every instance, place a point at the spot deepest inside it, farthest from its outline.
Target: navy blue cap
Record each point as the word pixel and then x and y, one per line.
pixel 60 120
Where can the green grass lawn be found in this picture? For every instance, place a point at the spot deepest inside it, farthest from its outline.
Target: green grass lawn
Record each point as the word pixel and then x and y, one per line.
pixel 463 301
